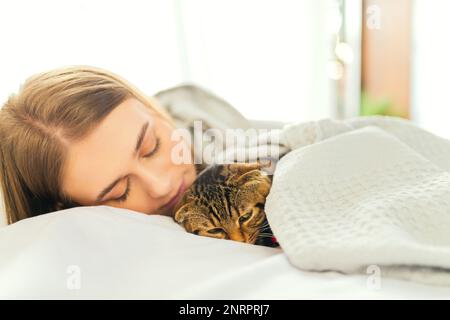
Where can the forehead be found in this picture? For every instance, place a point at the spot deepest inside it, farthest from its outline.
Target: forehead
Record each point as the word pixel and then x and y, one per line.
pixel 95 161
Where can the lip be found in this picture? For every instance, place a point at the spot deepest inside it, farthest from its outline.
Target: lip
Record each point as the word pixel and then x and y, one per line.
pixel 176 198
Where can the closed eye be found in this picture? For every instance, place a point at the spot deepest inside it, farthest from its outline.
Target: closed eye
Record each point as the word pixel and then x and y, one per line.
pixel 124 197
pixel 155 149
pixel 216 231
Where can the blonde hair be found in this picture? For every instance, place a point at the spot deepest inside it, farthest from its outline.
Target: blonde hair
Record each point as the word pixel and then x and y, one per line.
pixel 51 110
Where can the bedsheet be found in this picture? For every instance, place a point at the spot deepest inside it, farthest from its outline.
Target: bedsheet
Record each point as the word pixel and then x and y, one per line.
pixel 109 253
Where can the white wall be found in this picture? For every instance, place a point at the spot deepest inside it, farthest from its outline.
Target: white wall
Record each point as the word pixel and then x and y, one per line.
pixel 135 38
pixel 431 66
pixel 266 57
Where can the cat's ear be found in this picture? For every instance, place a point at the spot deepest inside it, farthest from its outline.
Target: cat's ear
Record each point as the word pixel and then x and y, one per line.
pixel 182 205
pixel 181 212
pixel 254 174
pixel 241 168
pixel 254 182
pixel 189 210
pixel 252 191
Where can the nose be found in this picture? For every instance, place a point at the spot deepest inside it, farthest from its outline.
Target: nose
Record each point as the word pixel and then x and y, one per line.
pixel 236 235
pixel 156 183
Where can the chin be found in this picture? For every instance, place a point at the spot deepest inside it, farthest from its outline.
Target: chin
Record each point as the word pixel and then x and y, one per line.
pixel 190 174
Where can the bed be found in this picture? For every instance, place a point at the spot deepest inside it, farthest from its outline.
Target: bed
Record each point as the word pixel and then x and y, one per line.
pixel 103 252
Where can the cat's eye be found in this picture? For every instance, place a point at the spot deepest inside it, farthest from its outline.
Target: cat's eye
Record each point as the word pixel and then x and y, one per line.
pixel 215 231
pixel 245 217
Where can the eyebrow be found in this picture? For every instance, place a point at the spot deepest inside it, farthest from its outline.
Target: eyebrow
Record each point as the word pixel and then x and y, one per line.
pixel 139 141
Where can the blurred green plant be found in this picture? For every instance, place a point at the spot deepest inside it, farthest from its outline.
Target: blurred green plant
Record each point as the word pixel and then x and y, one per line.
pixel 371 106
pixel 380 106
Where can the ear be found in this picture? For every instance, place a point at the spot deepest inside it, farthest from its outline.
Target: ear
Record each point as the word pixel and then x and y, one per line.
pixel 241 168
pixel 261 185
pixel 252 183
pixel 251 192
pixel 248 177
pixel 180 213
pixel 255 174
pixel 190 211
pixel 187 199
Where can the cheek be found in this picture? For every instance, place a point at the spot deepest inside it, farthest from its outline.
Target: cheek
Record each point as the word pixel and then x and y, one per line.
pixel 178 148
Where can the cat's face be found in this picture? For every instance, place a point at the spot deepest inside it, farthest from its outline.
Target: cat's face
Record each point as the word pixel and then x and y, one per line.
pixel 226 202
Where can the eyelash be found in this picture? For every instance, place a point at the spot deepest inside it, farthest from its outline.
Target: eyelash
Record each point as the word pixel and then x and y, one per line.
pixel 127 191
pixel 155 149
pixel 124 197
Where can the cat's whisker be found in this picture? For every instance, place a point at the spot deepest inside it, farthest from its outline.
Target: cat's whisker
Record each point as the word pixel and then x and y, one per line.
pixel 268 235
pixel 254 236
pixel 265 224
pixel 263 227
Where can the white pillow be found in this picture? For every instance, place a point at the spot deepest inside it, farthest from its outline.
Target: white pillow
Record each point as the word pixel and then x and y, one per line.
pixel 110 253
pixel 3 220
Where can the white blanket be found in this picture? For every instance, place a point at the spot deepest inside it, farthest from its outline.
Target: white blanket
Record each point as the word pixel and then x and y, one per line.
pixel 368 194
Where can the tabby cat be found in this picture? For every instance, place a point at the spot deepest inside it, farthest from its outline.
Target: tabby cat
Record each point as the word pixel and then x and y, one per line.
pixel 227 202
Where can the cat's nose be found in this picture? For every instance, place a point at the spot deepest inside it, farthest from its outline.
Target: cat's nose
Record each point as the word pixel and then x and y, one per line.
pixel 237 236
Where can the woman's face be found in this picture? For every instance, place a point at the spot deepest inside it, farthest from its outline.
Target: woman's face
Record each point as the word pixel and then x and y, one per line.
pixel 108 155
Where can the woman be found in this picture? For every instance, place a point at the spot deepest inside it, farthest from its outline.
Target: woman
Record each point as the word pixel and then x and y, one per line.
pixel 82 136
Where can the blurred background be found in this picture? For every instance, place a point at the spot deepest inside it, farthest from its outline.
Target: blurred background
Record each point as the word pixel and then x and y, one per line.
pixel 285 60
